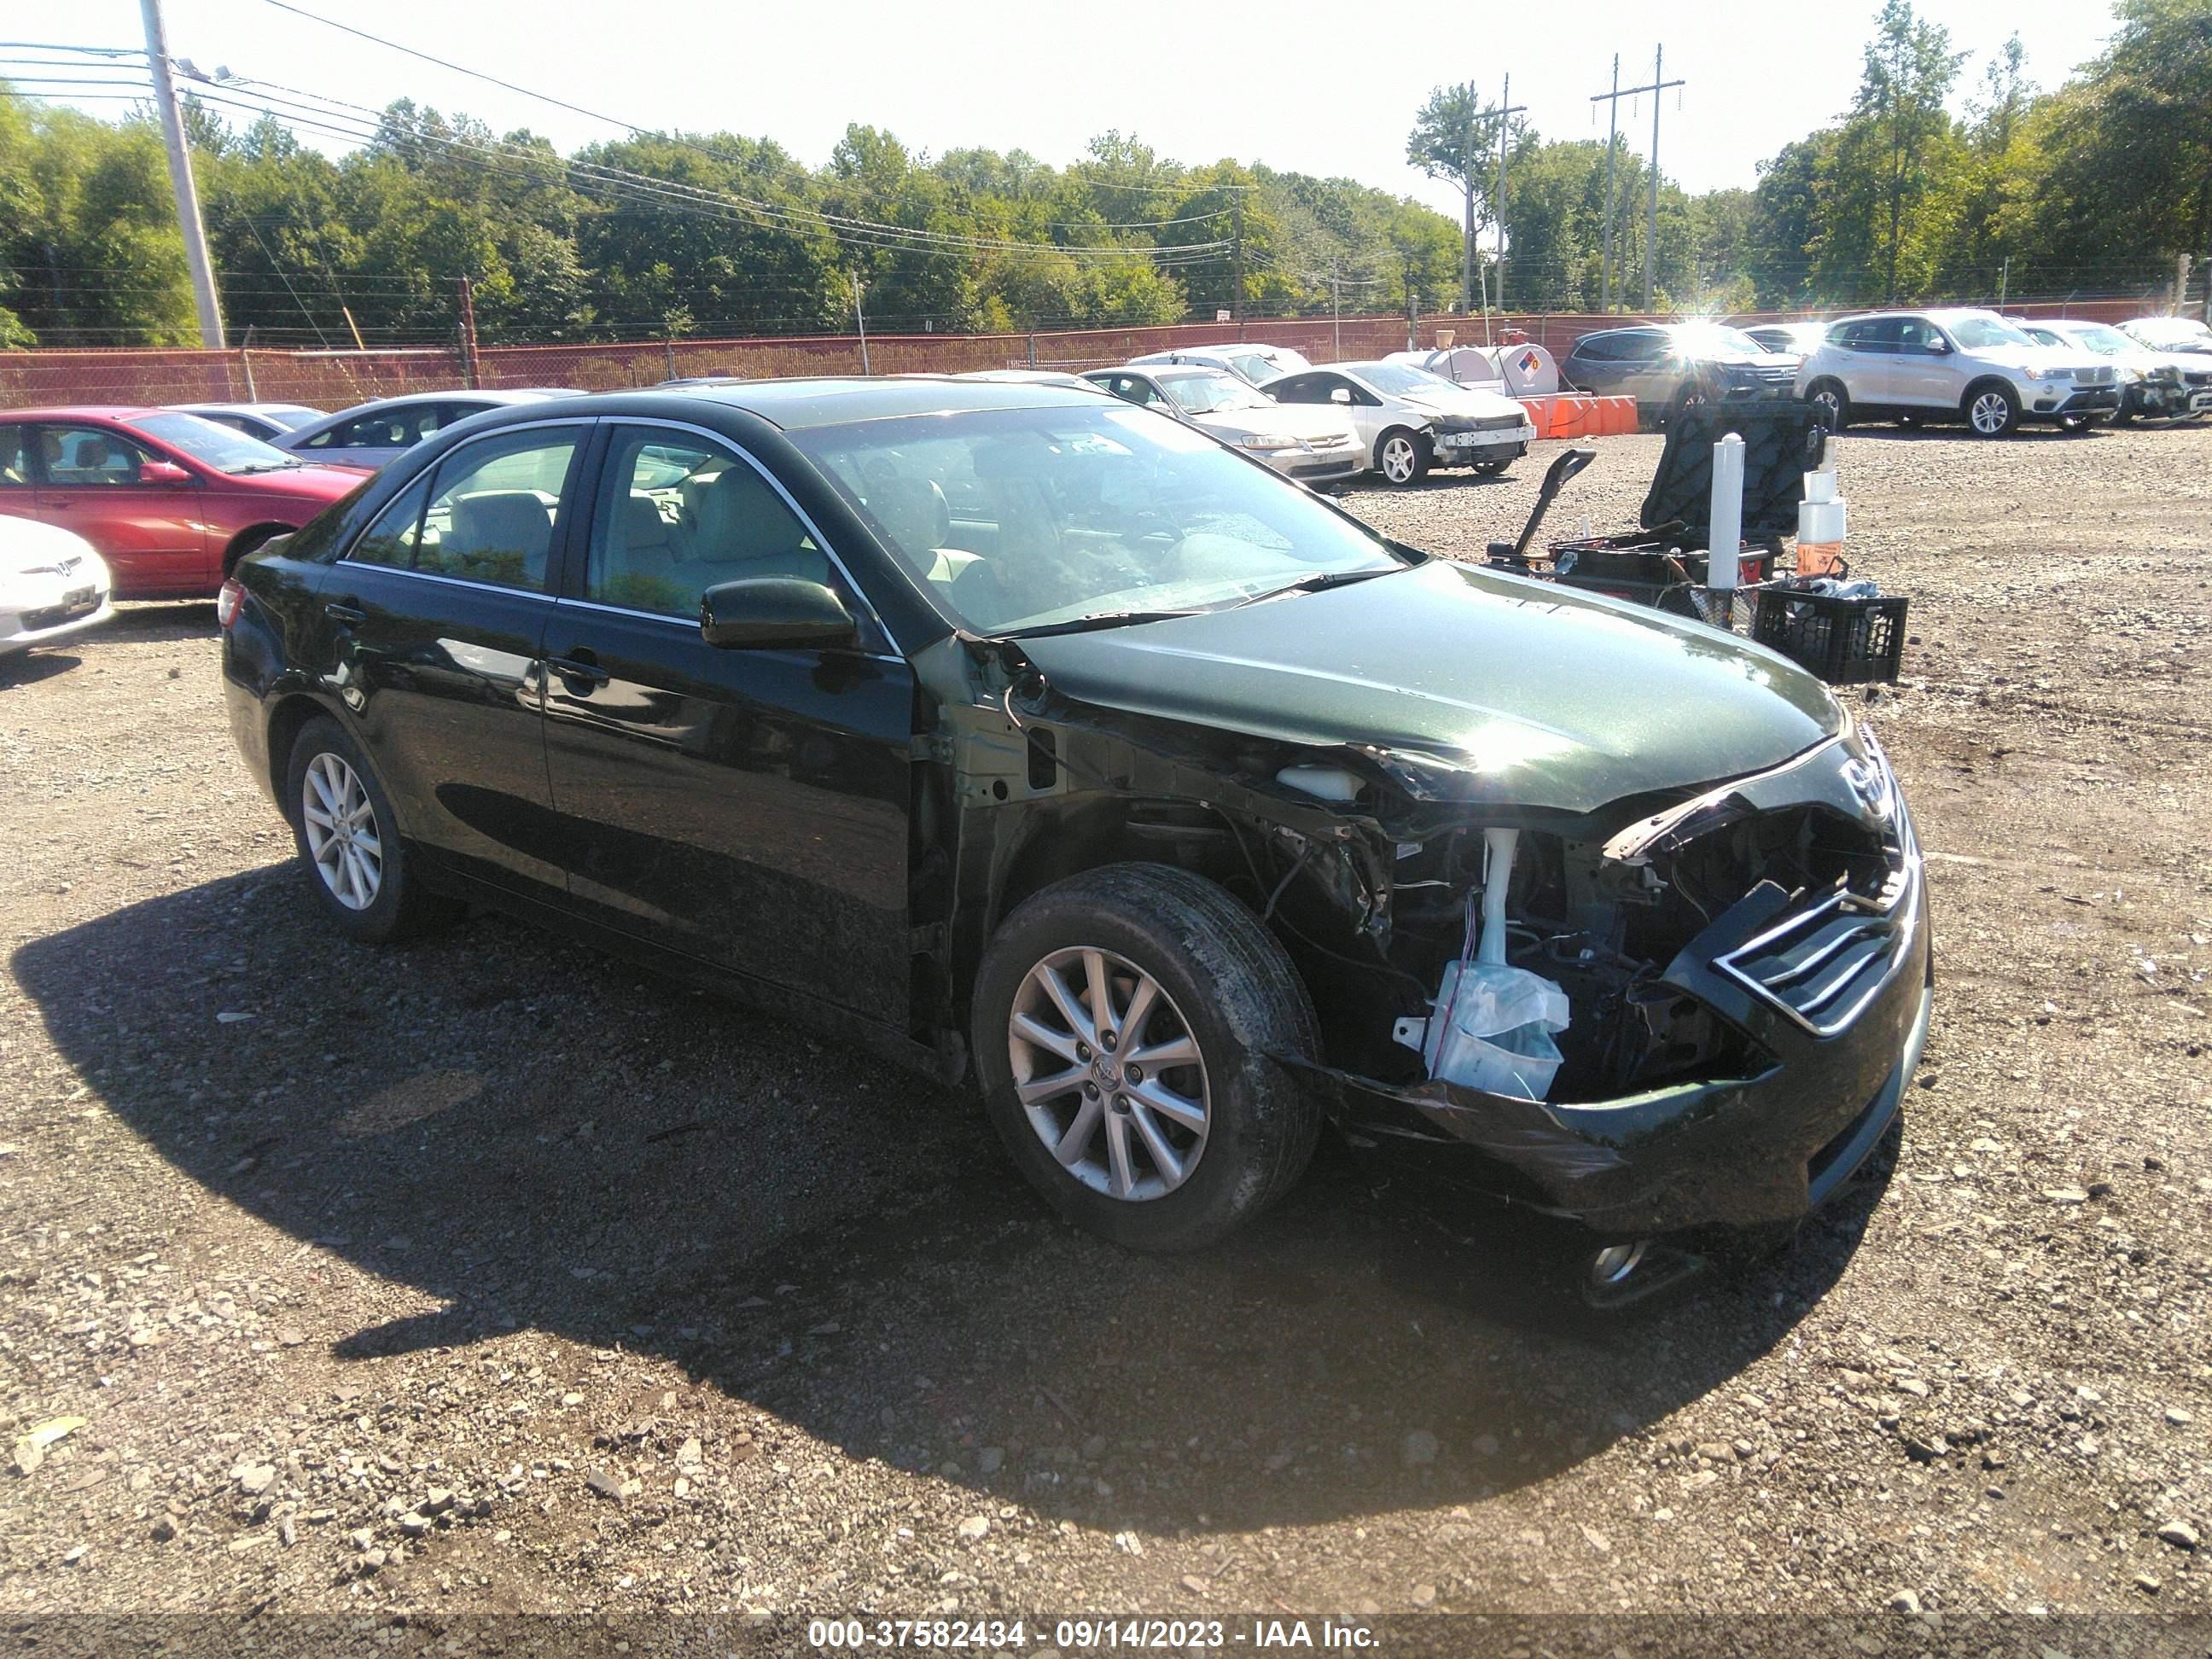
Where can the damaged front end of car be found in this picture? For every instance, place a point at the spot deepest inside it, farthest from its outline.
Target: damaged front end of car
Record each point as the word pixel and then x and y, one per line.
pixel 1744 968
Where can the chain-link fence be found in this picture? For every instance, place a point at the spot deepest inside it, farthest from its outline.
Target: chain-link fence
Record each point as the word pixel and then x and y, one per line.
pixel 337 380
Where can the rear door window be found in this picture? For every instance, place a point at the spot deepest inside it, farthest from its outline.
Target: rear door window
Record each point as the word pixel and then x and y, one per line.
pixel 79 456
pixel 15 459
pixel 493 512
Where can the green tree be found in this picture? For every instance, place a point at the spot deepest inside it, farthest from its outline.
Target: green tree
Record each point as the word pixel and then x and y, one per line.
pixel 1455 137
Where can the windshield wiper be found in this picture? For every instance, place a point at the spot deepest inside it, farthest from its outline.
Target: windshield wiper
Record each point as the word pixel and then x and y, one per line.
pixel 1103 619
pixel 1319 580
pixel 265 466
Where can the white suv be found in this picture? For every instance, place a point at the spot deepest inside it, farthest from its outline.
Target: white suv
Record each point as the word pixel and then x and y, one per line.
pixel 1953 365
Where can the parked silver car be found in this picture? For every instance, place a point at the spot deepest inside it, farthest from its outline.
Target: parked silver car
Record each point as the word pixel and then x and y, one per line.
pixel 1411 420
pixel 1953 365
pixel 1314 445
pixel 262 421
pixel 369 435
pixel 2155 386
pixel 1253 361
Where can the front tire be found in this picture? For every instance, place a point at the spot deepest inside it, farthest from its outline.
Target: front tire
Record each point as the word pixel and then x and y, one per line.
pixel 1402 456
pixel 1991 410
pixel 1124 1020
pixel 1832 401
pixel 360 871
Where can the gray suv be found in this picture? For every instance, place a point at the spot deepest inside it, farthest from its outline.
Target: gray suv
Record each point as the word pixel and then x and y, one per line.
pixel 1666 366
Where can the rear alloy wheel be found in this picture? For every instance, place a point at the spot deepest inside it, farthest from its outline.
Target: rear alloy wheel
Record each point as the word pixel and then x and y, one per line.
pixel 1127 1023
pixel 1992 411
pixel 1834 403
pixel 1402 456
pixel 356 865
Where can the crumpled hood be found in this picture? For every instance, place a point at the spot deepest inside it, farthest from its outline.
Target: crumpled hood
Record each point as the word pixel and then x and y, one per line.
pixel 1468 400
pixel 1472 684
pixel 1306 421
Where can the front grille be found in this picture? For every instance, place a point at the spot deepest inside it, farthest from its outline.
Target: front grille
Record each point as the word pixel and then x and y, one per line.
pixel 1823 962
pixel 2198 376
pixel 2093 377
pixel 1480 422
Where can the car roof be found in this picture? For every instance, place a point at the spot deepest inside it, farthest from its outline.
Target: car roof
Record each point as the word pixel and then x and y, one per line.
pixel 1168 372
pixel 242 409
pixel 83 412
pixel 794 404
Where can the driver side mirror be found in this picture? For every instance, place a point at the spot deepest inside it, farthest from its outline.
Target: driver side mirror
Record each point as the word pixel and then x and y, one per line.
pixel 163 472
pixel 1341 395
pixel 771 612
pixel 1940 346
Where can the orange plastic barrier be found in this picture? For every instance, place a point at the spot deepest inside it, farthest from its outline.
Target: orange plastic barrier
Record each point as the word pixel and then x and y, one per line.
pixel 1571 415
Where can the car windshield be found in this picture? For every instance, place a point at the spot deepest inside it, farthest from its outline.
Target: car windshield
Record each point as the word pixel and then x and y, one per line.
pixel 2105 342
pixel 213 445
pixel 1977 333
pixel 2171 331
pixel 1022 519
pixel 1699 337
pixel 1260 370
pixel 1208 394
pixel 1399 379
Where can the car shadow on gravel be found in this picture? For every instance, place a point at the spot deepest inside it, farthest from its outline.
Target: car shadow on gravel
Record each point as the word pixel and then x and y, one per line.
pixel 508 1135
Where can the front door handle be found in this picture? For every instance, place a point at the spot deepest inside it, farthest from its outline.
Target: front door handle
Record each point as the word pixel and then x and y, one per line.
pixel 344 613
pixel 579 668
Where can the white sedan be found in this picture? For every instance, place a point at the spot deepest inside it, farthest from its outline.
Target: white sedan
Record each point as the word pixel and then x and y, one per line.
pixel 1410 420
pixel 1314 445
pixel 51 585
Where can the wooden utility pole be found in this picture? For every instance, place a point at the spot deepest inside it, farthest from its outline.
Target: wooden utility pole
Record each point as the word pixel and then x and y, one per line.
pixel 469 375
pixel 1237 254
pixel 860 320
pixel 1659 86
pixel 1507 109
pixel 1335 311
pixel 1466 186
pixel 180 177
pixel 1612 130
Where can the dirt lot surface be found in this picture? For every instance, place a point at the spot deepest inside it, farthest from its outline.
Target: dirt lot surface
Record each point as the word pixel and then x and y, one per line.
pixel 492 1274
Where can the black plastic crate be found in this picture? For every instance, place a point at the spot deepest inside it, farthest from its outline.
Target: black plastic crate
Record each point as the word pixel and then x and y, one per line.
pixel 1844 642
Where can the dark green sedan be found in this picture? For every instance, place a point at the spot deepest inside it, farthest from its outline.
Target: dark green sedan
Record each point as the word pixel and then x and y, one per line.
pixel 1034 738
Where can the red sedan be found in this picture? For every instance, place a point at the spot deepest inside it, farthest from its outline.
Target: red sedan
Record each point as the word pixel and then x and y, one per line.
pixel 170 501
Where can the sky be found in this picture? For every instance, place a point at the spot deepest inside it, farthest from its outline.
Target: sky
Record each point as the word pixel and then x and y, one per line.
pixel 1327 89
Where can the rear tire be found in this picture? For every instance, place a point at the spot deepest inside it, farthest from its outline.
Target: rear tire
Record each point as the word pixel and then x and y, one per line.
pixel 359 869
pixel 1991 410
pixel 1402 456
pixel 1239 1126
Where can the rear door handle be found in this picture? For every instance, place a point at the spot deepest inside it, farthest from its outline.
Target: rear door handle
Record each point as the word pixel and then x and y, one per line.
pixel 579 667
pixel 344 613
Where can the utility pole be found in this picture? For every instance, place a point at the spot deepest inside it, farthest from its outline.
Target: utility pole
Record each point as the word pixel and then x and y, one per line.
pixel 1467 185
pixel 2180 285
pixel 180 178
pixel 1335 311
pixel 1611 129
pixel 469 375
pixel 859 319
pixel 1659 85
pixel 1236 250
pixel 1507 109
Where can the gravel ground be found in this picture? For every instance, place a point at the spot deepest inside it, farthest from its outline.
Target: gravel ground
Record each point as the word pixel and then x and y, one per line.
pixel 483 1275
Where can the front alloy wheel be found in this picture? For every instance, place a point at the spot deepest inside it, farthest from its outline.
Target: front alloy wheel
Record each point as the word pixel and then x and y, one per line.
pixel 343 839
pixel 1991 411
pixel 1400 458
pixel 1138 1035
pixel 1108 1075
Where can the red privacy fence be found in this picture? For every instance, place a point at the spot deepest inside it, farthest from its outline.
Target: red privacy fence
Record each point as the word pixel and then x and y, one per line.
pixel 335 379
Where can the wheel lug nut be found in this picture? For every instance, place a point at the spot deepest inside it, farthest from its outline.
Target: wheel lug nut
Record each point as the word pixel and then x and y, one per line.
pixel 1107 1043
pixel 1120 1104
pixel 1090 1091
pixel 1083 1052
pixel 1134 1074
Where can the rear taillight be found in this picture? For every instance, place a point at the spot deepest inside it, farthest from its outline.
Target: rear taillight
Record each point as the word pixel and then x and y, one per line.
pixel 227 602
